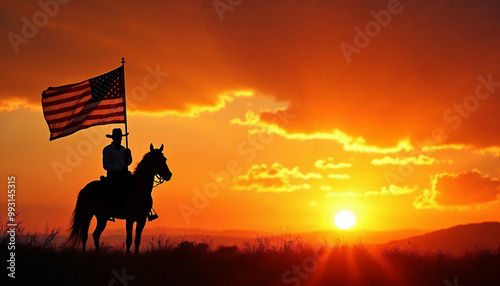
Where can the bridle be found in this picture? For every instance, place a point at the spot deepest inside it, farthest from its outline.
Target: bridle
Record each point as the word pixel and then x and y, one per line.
pixel 158 180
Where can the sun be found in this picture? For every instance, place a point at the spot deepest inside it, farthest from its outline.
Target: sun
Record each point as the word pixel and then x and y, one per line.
pixel 345 219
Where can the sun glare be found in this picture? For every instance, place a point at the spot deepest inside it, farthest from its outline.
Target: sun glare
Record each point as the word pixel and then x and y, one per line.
pixel 345 219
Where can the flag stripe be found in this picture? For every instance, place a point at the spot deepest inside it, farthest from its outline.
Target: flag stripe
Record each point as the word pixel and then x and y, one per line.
pixel 70 131
pixel 81 115
pixel 55 122
pixel 98 117
pixel 96 101
pixel 64 111
pixel 61 90
pixel 87 118
pixel 78 97
pixel 67 97
pixel 86 98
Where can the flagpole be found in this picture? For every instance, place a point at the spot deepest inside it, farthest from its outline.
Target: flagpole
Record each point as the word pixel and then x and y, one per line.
pixel 125 103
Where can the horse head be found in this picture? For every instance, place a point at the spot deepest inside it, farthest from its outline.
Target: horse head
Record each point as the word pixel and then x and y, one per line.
pixel 160 163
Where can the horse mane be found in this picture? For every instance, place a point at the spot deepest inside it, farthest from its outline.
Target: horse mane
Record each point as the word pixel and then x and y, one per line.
pixel 142 164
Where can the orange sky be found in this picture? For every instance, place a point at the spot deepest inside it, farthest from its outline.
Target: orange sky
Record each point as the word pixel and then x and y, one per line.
pixel 402 129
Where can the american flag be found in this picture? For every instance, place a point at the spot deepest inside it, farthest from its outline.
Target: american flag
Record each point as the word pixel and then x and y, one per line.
pixel 96 101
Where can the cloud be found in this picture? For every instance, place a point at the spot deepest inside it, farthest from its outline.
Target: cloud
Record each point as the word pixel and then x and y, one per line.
pixel 258 124
pixel 393 86
pixel 461 190
pixel 491 151
pixel 329 164
pixel 14 104
pixel 193 111
pixel 420 160
pixel 190 111
pixel 427 200
pixel 456 147
pixel 275 178
pixel 392 190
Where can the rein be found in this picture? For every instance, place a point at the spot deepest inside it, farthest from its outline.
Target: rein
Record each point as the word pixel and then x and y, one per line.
pixel 158 180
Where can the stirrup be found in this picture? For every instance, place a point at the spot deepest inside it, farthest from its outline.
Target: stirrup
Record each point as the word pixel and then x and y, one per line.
pixel 152 215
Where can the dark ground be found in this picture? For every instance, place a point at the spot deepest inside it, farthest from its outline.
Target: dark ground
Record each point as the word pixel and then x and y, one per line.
pixel 260 262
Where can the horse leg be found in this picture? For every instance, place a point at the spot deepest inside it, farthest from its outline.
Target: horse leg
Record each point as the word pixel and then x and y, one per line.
pixel 85 231
pixel 138 232
pixel 101 225
pixel 129 226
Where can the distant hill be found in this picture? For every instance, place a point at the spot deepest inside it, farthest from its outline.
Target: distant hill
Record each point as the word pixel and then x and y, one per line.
pixel 360 236
pixel 237 237
pixel 453 239
pixel 456 239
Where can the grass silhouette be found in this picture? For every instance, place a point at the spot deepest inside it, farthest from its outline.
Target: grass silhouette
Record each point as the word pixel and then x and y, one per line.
pixel 266 260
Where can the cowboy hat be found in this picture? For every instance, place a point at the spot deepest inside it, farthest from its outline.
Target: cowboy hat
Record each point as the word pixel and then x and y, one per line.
pixel 117 132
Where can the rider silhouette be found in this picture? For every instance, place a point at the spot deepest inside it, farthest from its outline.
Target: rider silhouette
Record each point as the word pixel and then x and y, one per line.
pixel 116 158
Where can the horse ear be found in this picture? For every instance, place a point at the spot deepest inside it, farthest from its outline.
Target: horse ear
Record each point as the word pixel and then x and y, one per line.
pixel 161 148
pixel 151 147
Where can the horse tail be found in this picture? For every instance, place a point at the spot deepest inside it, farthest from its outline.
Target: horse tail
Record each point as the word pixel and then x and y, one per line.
pixel 77 226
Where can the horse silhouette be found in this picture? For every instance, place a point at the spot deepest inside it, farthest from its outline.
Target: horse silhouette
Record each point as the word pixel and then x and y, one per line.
pixel 131 203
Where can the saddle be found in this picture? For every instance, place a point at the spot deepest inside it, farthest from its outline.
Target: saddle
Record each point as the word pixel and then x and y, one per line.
pixel 118 186
pixel 118 181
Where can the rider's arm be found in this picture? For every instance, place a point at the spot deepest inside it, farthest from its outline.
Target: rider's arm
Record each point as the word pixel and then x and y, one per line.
pixel 128 156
